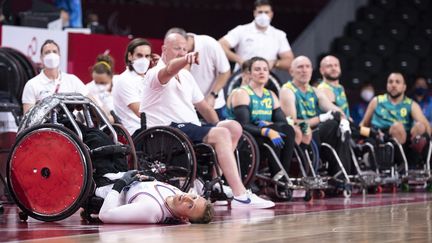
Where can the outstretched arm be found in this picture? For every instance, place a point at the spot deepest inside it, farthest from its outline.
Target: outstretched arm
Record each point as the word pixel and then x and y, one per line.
pixel 175 65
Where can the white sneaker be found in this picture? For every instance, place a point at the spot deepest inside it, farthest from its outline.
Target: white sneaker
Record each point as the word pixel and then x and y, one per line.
pixel 197 188
pixel 226 189
pixel 250 200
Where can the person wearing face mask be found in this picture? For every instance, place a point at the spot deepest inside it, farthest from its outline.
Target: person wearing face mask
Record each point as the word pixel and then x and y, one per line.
pixel 258 38
pixel 51 80
pixel 101 85
pixel 420 93
pixel 128 86
pixel 358 111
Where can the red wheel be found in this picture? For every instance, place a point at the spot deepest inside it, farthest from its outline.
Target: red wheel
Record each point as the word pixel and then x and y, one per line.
pixel 49 172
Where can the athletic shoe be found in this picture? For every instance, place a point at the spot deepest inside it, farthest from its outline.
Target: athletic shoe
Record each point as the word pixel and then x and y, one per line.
pixel 249 201
pixel 226 189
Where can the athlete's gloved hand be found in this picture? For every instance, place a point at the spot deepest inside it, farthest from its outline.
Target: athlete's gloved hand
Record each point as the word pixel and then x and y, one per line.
pixel 126 180
pixel 274 136
pixel 326 116
pixel 261 123
pixel 344 127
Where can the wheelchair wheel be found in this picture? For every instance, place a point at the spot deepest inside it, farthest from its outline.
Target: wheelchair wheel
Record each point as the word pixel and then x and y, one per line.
pixel 124 137
pixel 248 158
pixel 168 153
pixel 49 172
pixel 274 84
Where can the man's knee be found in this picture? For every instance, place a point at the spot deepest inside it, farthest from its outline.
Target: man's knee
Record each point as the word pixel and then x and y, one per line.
pixel 398 132
pixel 234 128
pixel 218 135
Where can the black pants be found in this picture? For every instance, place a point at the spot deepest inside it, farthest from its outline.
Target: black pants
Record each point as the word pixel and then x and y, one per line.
pixel 285 153
pixel 328 132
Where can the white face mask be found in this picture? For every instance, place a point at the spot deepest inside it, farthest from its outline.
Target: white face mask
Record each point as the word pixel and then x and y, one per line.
pixel 262 20
pixel 141 65
pixel 51 60
pixel 367 94
pixel 102 88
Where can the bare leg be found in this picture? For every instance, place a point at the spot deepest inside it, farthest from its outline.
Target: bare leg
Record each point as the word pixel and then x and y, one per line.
pixel 397 131
pixel 235 130
pixel 221 139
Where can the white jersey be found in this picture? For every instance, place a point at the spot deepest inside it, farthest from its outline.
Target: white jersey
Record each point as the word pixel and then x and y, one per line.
pixel 124 208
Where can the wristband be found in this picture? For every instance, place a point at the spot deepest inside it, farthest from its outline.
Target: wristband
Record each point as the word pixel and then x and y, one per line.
pixel 214 94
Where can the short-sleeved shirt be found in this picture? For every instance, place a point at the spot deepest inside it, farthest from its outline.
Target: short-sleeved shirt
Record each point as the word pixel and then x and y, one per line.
pixel 213 62
pixel 340 96
pixel 306 102
pixel 127 89
pixel 248 42
pixel 386 113
pixel 170 102
pixel 40 87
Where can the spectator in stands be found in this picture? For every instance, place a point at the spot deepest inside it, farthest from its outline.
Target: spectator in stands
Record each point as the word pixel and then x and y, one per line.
pixel 308 105
pixel 367 92
pixel 101 86
pixel 258 38
pixel 93 23
pixel 420 93
pixel 51 79
pixel 213 74
pixel 171 96
pixel 70 12
pixel 128 86
pixel 258 110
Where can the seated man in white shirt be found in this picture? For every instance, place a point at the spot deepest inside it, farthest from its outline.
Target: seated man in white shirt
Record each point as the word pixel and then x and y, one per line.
pixel 51 80
pixel 170 97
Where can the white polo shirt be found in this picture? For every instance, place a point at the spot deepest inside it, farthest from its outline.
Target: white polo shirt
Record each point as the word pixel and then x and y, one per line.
pixel 213 61
pixel 40 87
pixel 127 89
pixel 171 102
pixel 248 42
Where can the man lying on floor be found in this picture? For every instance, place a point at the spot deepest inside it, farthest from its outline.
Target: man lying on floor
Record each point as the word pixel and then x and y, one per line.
pixel 138 198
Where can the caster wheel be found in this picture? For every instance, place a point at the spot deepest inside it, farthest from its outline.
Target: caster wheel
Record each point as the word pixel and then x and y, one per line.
pixel 394 188
pixel 405 187
pixel 379 189
pixel 320 194
pixel 347 193
pixel 308 196
pixel 22 216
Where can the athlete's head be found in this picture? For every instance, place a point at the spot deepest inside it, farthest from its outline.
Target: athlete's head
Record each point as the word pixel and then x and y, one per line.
pixel 396 85
pixel 301 70
pixel 190 207
pixel 330 68
pixel 259 70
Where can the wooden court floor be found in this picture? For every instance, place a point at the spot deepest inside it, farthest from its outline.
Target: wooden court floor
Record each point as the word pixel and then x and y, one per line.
pixel 386 217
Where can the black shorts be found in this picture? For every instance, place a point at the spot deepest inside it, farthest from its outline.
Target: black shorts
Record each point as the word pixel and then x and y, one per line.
pixel 194 132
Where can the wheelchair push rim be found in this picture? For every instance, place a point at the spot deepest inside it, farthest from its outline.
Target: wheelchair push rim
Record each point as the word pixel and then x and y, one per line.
pixel 49 172
pixel 168 153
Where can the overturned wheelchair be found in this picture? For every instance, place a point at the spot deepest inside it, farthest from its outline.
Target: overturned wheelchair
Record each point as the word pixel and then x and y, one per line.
pixel 50 169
